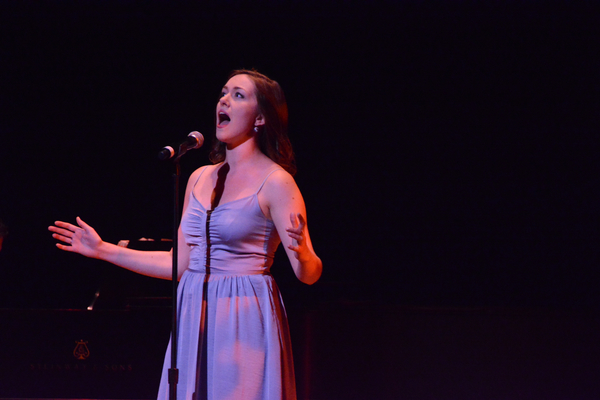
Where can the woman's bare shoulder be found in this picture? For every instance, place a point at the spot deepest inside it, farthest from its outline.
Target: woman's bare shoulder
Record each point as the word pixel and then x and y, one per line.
pixel 280 182
pixel 203 172
pixel 203 169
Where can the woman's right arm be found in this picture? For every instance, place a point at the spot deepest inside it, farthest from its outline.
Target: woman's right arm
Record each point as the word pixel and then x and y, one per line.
pixel 83 239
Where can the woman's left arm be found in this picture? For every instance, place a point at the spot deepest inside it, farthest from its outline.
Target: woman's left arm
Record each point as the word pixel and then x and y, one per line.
pixel 288 212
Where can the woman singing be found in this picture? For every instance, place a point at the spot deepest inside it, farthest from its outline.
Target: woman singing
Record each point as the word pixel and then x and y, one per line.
pixel 233 338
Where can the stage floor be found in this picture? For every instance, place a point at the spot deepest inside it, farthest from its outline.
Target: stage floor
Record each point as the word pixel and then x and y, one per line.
pixel 342 351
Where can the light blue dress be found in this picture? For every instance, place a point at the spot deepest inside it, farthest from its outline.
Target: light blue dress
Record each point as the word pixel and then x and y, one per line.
pixel 233 337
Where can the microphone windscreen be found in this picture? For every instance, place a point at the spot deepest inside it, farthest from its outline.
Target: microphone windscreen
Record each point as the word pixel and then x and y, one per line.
pixel 199 139
pixel 166 153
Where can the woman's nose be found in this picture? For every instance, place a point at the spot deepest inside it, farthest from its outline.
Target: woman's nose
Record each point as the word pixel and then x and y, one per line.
pixel 224 99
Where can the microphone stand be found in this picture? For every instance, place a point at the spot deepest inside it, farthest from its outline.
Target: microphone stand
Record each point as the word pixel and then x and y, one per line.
pixel 173 371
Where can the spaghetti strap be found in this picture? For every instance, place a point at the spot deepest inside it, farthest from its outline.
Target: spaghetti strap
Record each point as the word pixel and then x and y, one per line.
pixel 204 168
pixel 267 177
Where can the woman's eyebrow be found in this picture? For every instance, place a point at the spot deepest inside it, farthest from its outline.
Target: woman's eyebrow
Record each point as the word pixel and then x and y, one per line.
pixel 234 88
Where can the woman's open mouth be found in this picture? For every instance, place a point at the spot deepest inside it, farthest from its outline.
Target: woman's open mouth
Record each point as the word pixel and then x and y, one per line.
pixel 222 119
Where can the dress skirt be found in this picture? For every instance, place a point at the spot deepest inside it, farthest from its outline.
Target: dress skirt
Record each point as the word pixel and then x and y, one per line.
pixel 233 340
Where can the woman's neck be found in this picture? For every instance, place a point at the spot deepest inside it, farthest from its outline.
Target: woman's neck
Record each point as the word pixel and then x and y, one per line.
pixel 244 155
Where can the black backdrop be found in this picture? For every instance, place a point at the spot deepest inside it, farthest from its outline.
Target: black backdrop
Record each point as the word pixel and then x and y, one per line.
pixel 447 151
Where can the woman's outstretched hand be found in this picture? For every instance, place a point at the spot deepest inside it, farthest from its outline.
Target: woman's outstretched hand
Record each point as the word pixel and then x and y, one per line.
pixel 81 239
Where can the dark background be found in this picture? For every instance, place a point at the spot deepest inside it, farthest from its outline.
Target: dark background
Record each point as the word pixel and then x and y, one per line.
pixel 447 151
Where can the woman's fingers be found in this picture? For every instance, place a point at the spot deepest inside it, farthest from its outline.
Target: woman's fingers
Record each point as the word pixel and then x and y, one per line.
pixel 64 232
pixel 60 231
pixel 298 222
pixel 82 224
pixel 293 220
pixel 296 232
pixel 66 225
pixel 63 247
pixel 295 236
pixel 302 221
pixel 80 238
pixel 70 227
pixel 63 238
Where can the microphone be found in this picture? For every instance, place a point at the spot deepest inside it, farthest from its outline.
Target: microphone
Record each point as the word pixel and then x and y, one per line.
pixel 194 140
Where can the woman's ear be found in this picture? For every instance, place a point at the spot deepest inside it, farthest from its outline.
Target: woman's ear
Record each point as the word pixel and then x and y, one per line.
pixel 259 121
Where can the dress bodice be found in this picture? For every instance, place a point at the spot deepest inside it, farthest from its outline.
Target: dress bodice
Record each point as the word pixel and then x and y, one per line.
pixel 235 238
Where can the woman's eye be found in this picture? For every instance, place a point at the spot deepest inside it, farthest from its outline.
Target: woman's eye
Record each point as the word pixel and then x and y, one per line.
pixel 239 95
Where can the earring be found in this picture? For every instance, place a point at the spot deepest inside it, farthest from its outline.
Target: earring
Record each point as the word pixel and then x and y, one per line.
pixel 256 129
